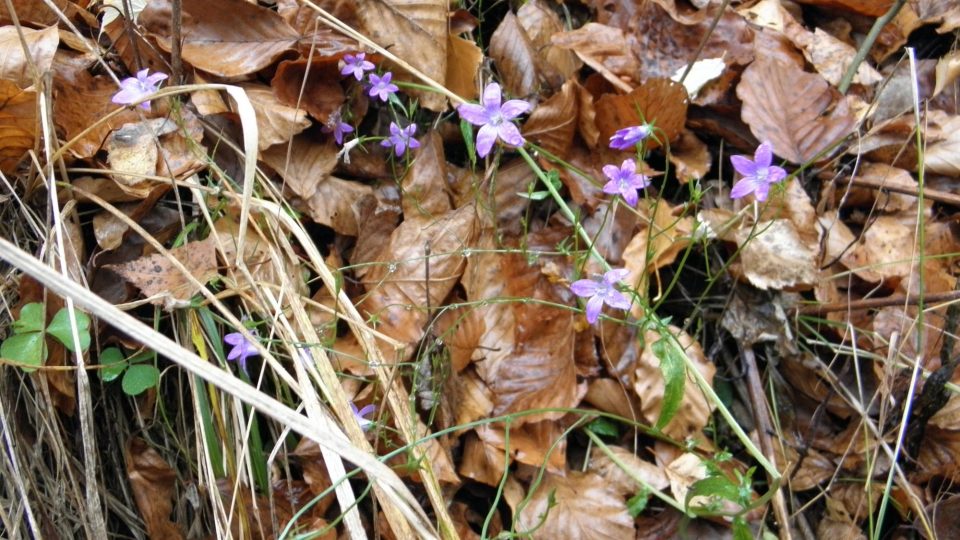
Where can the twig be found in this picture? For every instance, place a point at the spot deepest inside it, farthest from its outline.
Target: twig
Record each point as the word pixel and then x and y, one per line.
pixel 871 38
pixel 944 197
pixel 764 428
pixel 873 303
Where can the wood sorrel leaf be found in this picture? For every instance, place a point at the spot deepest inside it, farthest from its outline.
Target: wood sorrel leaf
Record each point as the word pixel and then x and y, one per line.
pixel 60 329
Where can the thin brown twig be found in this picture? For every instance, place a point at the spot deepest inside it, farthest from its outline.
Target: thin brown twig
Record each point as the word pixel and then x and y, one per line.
pixel 873 303
pixel 944 197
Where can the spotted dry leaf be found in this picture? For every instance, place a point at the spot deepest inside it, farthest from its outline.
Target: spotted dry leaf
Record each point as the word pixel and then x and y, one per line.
pixel 160 281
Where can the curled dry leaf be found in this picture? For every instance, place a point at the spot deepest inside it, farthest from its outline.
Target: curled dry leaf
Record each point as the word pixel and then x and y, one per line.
pixel 943 155
pixel 132 152
pixel 14 64
pixel 228 38
pixel 578 505
pixel 775 255
pixel 553 123
pixel 660 238
pixel 790 108
pixel 660 102
pixel 277 123
pixel 424 187
pixel 623 481
pixel 828 55
pixel 152 481
pixel 515 57
pixel 943 12
pixel 415 31
pixel 18 121
pixel 540 22
pixel 529 443
pixel 870 8
pixel 606 47
pixel 158 278
pixel 320 95
pixel 695 409
pixel 690 157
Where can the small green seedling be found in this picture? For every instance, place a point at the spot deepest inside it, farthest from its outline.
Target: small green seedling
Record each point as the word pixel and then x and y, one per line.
pixel 28 344
pixel 139 375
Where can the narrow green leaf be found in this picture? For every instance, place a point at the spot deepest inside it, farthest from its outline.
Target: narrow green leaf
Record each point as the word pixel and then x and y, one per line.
pixel 60 329
pixel 467 130
pixel 741 531
pixel 638 503
pixel 113 364
pixel 28 348
pixel 604 427
pixel 139 378
pixel 31 319
pixel 674 378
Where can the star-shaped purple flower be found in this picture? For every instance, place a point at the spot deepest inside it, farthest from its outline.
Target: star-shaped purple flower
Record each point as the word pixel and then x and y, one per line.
pixel 628 137
pixel 381 86
pixel 356 65
pixel 401 138
pixel 625 181
pixel 242 349
pixel 360 415
pixel 495 119
pixel 337 126
pixel 133 89
pixel 601 291
pixel 758 174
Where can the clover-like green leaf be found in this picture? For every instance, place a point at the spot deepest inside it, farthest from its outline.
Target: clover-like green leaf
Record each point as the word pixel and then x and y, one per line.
pixel 26 348
pixel 60 329
pixel 31 319
pixel 140 378
pixel 113 363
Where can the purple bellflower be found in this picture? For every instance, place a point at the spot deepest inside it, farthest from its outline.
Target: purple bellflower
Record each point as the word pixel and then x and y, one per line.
pixel 360 415
pixel 381 86
pixel 758 173
pixel 600 292
pixel 337 126
pixel 628 137
pixel 401 138
pixel 133 89
pixel 356 65
pixel 495 119
pixel 625 181
pixel 242 349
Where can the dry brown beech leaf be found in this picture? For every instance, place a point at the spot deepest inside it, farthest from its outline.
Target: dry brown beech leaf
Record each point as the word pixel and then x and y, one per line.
pixel 828 55
pixel 946 13
pixel 152 481
pixel 322 94
pixel 790 108
pixel 17 124
pixel 661 102
pixel 132 152
pixel 14 66
pixel 604 46
pixel 776 256
pixel 303 163
pixel 514 56
pixel 415 31
pixel 578 505
pixel 463 66
pixel 695 409
pixel 555 65
pixel 35 12
pixel 228 38
pixel 553 123
pixel 424 187
pixel 530 443
pixel 690 157
pixel 943 156
pixel 277 123
pixel 622 481
pixel 158 279
pixel 398 292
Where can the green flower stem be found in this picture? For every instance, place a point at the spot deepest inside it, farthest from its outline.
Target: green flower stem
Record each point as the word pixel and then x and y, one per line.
pixel 661 327
pixel 564 208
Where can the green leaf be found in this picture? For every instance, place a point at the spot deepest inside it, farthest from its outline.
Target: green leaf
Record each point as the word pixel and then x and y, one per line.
pixel 604 427
pixel 674 377
pixel 741 531
pixel 535 195
pixel 31 319
pixel 113 364
pixel 60 329
pixel 28 348
pixel 714 486
pixel 139 378
pixel 467 130
pixel 638 503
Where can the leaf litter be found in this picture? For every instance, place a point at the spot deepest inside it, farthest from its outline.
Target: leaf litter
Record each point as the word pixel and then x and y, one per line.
pixel 558 264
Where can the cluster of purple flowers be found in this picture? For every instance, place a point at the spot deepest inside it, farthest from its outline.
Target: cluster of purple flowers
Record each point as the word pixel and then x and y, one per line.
pixel 380 87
